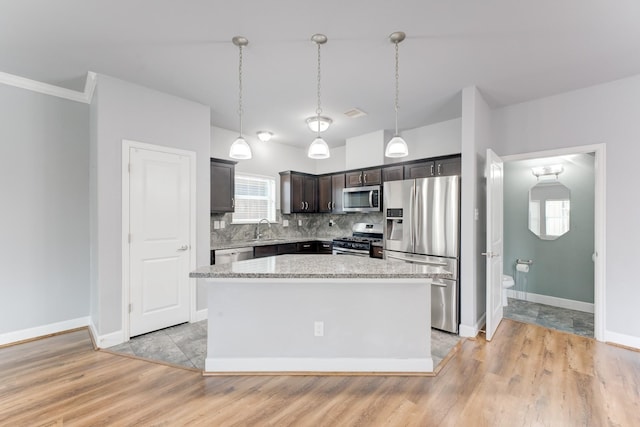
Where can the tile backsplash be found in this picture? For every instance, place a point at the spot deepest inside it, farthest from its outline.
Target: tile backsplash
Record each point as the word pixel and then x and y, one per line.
pixel 313 225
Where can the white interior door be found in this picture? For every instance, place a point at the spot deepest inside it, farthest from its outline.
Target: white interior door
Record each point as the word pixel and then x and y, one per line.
pixel 159 192
pixel 495 214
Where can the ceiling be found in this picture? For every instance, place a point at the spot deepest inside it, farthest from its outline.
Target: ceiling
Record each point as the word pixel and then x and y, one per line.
pixel 512 50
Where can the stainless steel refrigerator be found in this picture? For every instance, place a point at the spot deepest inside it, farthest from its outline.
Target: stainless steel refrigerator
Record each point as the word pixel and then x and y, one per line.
pixel 423 226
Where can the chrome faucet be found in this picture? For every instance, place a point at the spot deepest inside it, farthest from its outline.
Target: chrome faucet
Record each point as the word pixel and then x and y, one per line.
pixel 258 233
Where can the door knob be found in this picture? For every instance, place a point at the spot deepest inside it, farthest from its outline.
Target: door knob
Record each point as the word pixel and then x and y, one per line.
pixel 183 248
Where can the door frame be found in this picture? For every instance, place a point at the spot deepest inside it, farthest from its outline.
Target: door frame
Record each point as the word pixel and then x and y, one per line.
pixel 126 266
pixel 599 261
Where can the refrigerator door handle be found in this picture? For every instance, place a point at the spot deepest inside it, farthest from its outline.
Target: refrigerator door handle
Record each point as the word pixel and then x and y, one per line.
pixel 417 261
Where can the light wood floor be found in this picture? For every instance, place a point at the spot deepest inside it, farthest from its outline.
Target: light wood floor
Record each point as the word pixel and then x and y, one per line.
pixel 527 376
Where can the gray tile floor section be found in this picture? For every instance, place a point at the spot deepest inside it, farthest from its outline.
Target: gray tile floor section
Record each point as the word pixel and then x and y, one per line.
pixel 562 319
pixel 186 345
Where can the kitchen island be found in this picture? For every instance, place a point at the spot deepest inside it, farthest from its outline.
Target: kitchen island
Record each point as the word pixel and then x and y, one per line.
pixel 319 314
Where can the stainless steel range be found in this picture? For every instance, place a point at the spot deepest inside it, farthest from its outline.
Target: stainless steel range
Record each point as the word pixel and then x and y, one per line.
pixel 359 243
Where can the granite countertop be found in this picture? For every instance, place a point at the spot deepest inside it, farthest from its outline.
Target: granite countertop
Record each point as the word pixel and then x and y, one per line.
pixel 264 242
pixel 320 267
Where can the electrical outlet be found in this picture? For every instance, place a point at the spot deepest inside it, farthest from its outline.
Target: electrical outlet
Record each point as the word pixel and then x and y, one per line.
pixel 216 225
pixel 299 223
pixel 318 328
pixel 222 224
pixel 285 222
pixel 476 214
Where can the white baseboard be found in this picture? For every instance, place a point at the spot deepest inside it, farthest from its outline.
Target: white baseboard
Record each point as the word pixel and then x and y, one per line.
pixel 39 331
pixel 472 331
pixel 553 301
pixel 309 364
pixel 107 340
pixel 622 339
pixel 202 315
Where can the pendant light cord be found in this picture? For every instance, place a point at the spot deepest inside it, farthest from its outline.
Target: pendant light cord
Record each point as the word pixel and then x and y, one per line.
pixel 319 109
pixel 240 88
pixel 397 87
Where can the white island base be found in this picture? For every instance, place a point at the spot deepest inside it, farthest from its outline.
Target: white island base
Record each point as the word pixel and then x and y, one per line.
pixel 319 325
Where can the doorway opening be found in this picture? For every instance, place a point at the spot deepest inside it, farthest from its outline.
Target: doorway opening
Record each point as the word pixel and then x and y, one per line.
pixel 554 239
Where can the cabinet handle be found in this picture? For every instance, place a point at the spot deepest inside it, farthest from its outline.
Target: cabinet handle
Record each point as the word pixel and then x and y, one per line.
pixel 360 178
pixel 439 168
pixel 328 205
pixel 306 205
pixel 302 207
pixel 233 202
pixel 432 169
pixel 306 246
pixel 365 178
pixel 333 205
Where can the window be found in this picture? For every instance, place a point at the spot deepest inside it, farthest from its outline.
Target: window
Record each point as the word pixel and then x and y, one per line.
pixel 557 217
pixel 255 199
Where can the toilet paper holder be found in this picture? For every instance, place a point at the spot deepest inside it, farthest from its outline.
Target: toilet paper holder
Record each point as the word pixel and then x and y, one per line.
pixel 524 261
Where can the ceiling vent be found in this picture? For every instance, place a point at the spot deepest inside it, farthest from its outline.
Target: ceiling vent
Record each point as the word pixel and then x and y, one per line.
pixel 354 113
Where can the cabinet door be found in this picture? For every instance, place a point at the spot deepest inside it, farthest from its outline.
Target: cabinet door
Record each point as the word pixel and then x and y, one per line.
pixel 372 176
pixel 287 248
pixel 310 194
pixel 297 193
pixel 263 251
pixel 448 167
pixel 354 179
pixel 325 194
pixel 325 248
pixel 419 170
pixel 307 248
pixel 222 186
pixel 337 185
pixel 393 173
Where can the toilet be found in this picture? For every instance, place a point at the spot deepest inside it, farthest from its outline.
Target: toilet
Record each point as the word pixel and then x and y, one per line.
pixel 507 282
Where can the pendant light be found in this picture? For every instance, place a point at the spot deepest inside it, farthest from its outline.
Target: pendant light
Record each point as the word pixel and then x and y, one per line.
pixel 397 147
pixel 240 149
pixel 319 148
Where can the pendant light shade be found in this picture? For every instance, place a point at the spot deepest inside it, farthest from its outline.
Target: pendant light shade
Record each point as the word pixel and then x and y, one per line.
pixel 319 148
pixel 397 147
pixel 240 148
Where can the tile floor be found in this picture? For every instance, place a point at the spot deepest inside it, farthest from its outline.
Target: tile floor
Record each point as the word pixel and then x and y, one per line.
pixel 186 345
pixel 562 319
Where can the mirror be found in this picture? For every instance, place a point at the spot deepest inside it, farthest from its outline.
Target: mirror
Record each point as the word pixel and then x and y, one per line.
pixel 549 209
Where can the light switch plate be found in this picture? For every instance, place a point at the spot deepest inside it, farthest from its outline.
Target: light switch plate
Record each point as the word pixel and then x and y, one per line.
pixel 222 224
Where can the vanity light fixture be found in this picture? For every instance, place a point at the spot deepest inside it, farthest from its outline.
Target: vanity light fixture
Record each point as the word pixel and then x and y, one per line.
pixel 547 170
pixel 264 135
pixel 240 148
pixel 323 121
pixel 396 147
pixel 318 148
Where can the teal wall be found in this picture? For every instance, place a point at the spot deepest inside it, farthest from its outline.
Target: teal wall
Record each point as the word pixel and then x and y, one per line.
pixel 563 267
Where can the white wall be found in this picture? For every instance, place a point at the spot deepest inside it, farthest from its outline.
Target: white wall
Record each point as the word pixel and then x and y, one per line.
pixel 476 138
pixel 438 139
pixel 366 150
pixel 123 110
pixel 609 114
pixel 44 226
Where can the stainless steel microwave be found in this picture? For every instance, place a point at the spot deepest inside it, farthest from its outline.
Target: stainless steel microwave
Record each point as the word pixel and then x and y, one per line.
pixel 361 199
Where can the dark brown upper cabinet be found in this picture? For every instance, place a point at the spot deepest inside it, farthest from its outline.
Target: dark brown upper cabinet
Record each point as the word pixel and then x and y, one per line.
pixel 298 192
pixel 330 193
pixel 222 185
pixel 364 177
